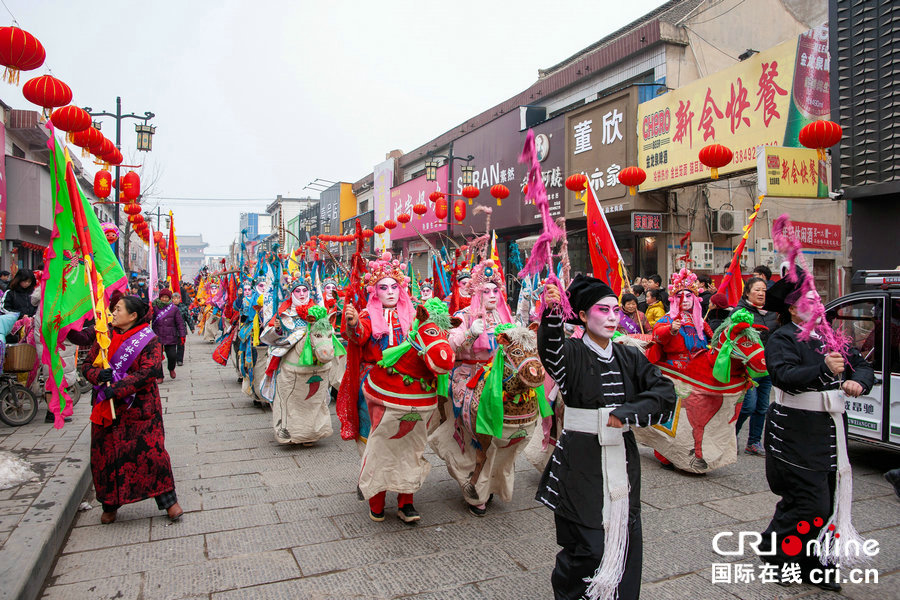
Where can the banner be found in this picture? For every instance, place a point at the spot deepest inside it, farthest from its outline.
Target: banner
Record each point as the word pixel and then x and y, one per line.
pixel 606 260
pixel 415 191
pixel 764 100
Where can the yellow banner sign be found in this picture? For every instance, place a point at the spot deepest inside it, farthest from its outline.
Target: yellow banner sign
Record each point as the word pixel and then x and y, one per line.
pixel 762 101
pixel 791 172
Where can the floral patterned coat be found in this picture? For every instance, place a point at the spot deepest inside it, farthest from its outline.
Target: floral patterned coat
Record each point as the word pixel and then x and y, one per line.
pixel 129 461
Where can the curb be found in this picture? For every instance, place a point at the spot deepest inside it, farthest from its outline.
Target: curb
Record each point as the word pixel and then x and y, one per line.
pixel 30 552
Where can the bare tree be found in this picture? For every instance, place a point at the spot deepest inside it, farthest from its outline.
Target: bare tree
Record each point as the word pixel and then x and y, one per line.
pixel 150 173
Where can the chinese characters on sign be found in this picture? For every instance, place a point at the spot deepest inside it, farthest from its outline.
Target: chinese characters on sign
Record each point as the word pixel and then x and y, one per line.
pixel 646 222
pixel 791 172
pixel 819 235
pixel 410 193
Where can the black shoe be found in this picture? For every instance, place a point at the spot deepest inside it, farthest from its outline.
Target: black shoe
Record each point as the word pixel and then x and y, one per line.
pixel 667 466
pixel 49 418
pixel 377 517
pixel 359 494
pixel 477 512
pixel 408 513
pixel 180 364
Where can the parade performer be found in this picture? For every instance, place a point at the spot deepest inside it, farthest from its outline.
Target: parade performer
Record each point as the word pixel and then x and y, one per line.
pixel 248 341
pixel 474 345
pixel 212 312
pixel 304 359
pixel 593 479
pixel 813 370
pixel 332 301
pixel 426 290
pixel 682 333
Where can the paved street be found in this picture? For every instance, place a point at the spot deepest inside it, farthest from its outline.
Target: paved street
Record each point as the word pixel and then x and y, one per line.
pixel 264 521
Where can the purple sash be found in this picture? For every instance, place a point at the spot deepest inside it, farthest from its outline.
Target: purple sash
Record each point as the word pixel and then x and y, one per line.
pixel 163 312
pixel 122 360
pixel 628 324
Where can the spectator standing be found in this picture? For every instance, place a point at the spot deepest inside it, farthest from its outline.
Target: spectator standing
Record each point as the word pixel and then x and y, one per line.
pixel 655 308
pixel 764 272
pixel 655 283
pixel 169 327
pixel 707 290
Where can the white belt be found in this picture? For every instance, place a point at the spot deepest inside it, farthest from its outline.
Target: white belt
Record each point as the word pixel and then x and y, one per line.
pixel 832 402
pixel 605 581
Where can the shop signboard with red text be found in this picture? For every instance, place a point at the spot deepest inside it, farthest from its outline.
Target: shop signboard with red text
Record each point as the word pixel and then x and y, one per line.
pixel 416 191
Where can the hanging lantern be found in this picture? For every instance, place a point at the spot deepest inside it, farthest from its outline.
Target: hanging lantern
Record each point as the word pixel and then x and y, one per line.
pixel 379 229
pixel 403 218
pixel 367 233
pixel 499 192
pixel 470 192
pixel 19 51
pixel 70 119
pixel 420 209
pixel 459 210
pixel 105 148
pixel 440 209
pixel 577 182
pixel 102 184
pixel 85 138
pixel 632 177
pixel 820 135
pixel 131 186
pixel 435 196
pixel 132 208
pixel 47 92
pixel 715 156
pixel 113 157
pixel 157 236
pixel 390 224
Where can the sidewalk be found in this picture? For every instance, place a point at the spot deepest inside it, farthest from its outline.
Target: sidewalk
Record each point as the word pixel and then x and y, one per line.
pixel 35 517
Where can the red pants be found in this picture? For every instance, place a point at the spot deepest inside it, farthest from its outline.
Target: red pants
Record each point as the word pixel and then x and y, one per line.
pixel 376 502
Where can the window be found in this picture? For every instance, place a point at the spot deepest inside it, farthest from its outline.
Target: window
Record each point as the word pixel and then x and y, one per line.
pixel 363 206
pixel 17 152
pixel 863 322
pixel 895 337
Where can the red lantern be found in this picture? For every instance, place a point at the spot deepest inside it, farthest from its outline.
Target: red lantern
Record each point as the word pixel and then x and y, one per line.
pixel 470 192
pixel 113 157
pixel 499 192
pixel 420 209
pixel 379 229
pixel 632 177
pixel 435 196
pixel 820 135
pixel 87 137
pixel 577 182
pixel 131 185
pixel 157 236
pixel 136 219
pixel 71 119
pixel 367 233
pixel 19 51
pixel 440 209
pixel 403 218
pixel 390 224
pixel 105 148
pixel 102 184
pixel 459 210
pixel 132 208
pixel 47 91
pixel 715 156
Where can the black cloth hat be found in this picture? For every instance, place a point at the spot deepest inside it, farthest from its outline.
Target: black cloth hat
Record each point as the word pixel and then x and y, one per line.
pixel 784 293
pixel 584 292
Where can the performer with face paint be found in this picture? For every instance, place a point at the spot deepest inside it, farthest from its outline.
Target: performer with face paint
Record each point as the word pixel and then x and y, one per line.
pixel 426 290
pixel 682 333
pixel 212 312
pixel 251 304
pixel 383 324
pixel 805 432
pixel 332 301
pixel 593 480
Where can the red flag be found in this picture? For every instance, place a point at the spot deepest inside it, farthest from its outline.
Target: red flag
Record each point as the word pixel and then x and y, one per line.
pixel 606 260
pixel 732 285
pixel 173 266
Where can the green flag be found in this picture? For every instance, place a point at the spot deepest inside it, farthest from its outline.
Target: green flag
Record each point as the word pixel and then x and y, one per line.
pixel 68 291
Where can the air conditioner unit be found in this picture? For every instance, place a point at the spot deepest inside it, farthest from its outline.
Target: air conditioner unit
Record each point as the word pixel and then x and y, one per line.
pixel 702 256
pixel 730 222
pixel 765 253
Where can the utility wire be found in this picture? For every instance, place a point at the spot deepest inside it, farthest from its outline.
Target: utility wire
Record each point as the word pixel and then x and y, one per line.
pixel 710 43
pixel 718 15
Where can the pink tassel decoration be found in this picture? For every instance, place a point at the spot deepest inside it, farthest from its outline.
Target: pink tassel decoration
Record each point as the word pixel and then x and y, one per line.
pixel 786 241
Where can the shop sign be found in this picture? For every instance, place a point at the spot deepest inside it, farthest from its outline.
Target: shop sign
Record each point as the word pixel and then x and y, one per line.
pixel 642 222
pixel 496 148
pixel 823 236
pixel 791 172
pixel 415 191
pixel 762 101
pixel 599 146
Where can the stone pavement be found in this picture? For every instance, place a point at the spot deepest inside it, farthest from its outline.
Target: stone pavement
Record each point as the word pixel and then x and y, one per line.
pixel 265 521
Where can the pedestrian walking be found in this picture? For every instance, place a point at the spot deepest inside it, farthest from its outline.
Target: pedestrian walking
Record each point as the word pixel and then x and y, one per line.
pixel 129 462
pixel 169 326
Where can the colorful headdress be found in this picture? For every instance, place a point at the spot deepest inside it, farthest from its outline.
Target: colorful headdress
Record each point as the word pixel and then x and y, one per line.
pixel 385 267
pixel 684 280
pixel 299 282
pixel 484 272
pixel 426 283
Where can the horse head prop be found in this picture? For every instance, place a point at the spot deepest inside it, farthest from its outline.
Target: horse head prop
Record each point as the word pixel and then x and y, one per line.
pixel 737 341
pixel 321 345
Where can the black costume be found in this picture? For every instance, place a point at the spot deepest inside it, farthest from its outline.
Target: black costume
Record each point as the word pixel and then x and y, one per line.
pixel 572 483
pixel 801 446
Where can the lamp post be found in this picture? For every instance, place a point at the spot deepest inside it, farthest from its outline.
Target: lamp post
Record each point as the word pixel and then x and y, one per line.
pixel 431 167
pixel 144 141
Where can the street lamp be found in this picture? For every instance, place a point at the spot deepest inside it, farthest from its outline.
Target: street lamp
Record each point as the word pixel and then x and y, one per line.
pixel 466 175
pixel 145 137
pixel 118 116
pixel 431 167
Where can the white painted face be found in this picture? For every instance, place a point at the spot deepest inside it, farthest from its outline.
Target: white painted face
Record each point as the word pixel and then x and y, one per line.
pixel 603 317
pixel 490 295
pixel 687 300
pixel 463 290
pixel 806 315
pixel 329 290
pixel 213 290
pixel 300 295
pixel 388 291
pixel 426 293
pixel 261 288
pixel 247 291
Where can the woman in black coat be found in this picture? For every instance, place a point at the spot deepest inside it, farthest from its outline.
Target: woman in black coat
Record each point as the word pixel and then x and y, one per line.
pixel 18 297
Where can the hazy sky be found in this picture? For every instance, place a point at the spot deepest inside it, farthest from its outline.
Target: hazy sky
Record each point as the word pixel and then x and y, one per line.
pixel 255 99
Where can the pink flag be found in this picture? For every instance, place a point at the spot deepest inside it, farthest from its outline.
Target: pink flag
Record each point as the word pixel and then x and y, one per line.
pixel 151 267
